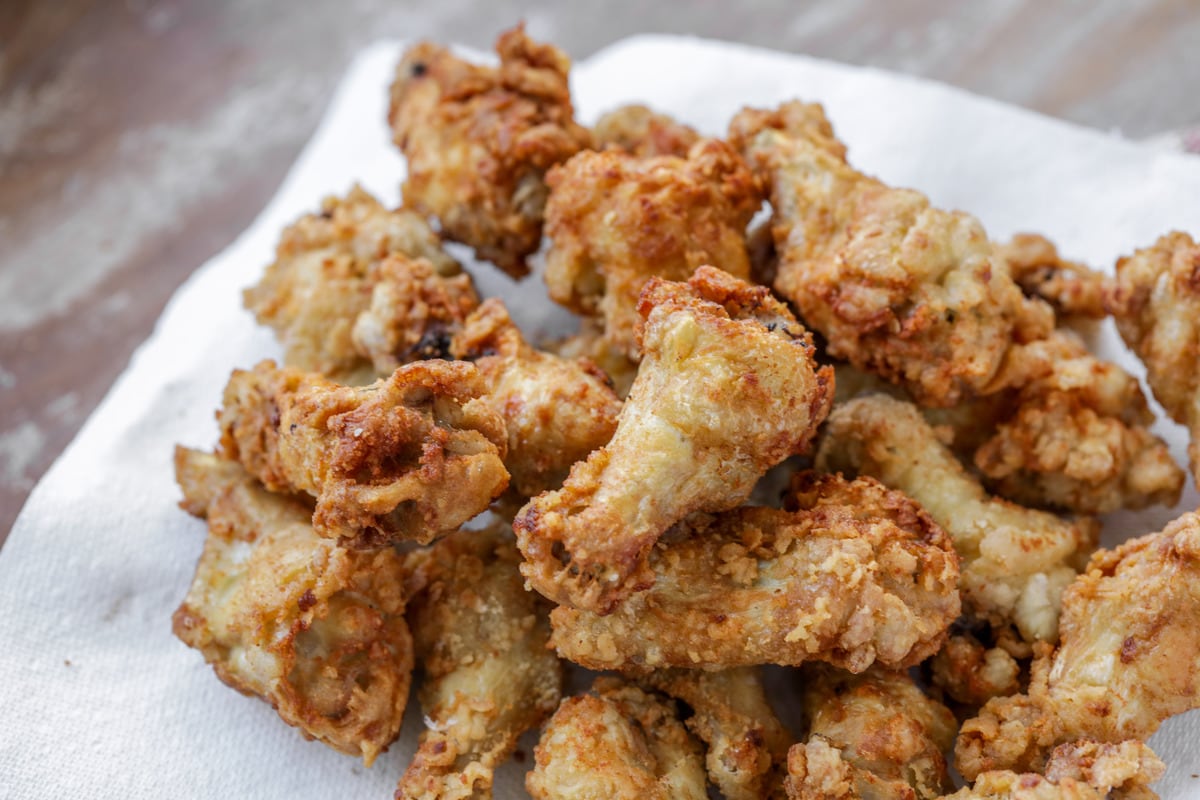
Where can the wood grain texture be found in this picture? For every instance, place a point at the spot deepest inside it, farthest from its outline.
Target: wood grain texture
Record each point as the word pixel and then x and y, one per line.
pixel 139 138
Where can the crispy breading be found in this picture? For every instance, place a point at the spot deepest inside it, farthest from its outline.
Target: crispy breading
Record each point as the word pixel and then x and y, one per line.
pixel 488 676
pixel 747 744
pixel 479 139
pixel 1015 561
pixel 357 264
pixel 557 410
pixel 408 458
pixel 637 130
pixel 1128 659
pixel 1083 770
pixel 727 388
pixel 589 343
pixel 1157 308
pixel 282 614
pixel 888 733
pixel 913 293
pixel 1071 288
pixel 857 574
pixel 615 220
pixel 616 742
pixel 971 673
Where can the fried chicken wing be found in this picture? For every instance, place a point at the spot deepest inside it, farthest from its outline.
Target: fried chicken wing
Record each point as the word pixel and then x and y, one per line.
pixel 615 220
pixel 1084 770
pixel 747 744
pixel 971 673
pixel 913 293
pixel 727 388
pixel 1015 561
pixel 557 410
pixel 407 458
pixel 282 614
pixel 637 130
pixel 1128 659
pixel 479 139
pixel 1071 288
pixel 481 638
pixel 616 742
pixel 358 283
pixel 857 574
pixel 887 738
pixel 1157 308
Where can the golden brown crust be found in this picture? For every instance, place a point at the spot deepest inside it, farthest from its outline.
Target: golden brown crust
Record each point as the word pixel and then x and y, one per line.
pixel 971 674
pixel 614 220
pixel 280 613
pixel 637 130
pixel 727 388
pixel 489 677
pixel 556 410
pixel 479 139
pixel 1071 288
pixel 857 574
pixel 1083 770
pixel 407 458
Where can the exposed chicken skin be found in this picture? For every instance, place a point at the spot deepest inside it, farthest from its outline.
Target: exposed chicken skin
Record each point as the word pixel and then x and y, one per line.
pixel 1084 770
pixel 915 294
pixel 358 283
pixel 481 639
pixel 1128 659
pixel 407 458
pixel 557 410
pixel 280 613
pixel 1157 308
pixel 747 744
pixel 616 742
pixel 637 130
pixel 727 388
pixel 857 574
pixel 614 220
pixel 887 737
pixel 1015 561
pixel 479 140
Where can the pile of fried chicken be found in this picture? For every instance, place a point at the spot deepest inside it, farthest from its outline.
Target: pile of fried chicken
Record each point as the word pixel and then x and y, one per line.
pixel 923 554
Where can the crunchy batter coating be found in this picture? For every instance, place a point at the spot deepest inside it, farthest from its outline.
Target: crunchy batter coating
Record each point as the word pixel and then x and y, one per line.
pixel 1083 770
pixel 1128 659
pixel 489 677
pixel 616 743
pixel 557 410
pixel 887 737
pixel 1015 561
pixel 589 343
pixel 1157 308
pixel 637 130
pixel 858 574
pixel 411 457
pixel 614 220
pixel 913 293
pixel 727 388
pixel 747 744
pixel 971 673
pixel 282 614
pixel 358 283
pixel 1071 288
pixel 479 139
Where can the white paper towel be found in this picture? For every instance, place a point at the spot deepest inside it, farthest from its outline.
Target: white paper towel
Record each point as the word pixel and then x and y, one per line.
pixel 100 700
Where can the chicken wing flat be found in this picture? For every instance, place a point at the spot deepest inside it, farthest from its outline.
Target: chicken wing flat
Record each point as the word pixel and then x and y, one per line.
pixel 858 574
pixel 1084 770
pixel 489 677
pixel 727 388
pixel 1071 288
pixel 614 220
pixel 282 614
pixel 616 742
pixel 479 139
pixel 913 293
pixel 747 744
pixel 411 457
pixel 1015 561
pixel 887 736
pixel 557 410
pixel 1128 659
pixel 971 673
pixel 637 130
pixel 1157 309
pixel 358 283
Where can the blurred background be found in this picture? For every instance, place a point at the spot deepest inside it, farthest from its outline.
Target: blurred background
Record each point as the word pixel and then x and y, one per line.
pixel 138 138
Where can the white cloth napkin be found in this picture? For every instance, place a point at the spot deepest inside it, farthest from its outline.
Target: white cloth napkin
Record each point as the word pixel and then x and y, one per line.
pixel 100 700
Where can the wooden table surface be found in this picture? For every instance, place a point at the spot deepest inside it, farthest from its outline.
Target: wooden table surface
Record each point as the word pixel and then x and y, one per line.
pixel 138 138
